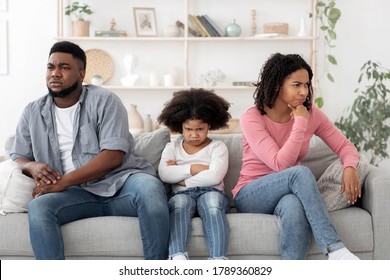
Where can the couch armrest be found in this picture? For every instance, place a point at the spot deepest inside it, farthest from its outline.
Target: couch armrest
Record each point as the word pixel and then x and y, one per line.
pixel 376 200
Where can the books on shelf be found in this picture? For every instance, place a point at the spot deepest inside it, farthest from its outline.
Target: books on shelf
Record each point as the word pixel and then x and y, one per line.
pixel 216 28
pixel 195 20
pixel 244 83
pixel 190 30
pixel 205 26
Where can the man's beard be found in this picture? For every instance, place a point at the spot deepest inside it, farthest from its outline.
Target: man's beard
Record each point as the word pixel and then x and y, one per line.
pixel 65 92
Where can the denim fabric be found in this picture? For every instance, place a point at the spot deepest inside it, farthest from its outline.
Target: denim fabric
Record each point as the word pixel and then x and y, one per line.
pixel 211 205
pixel 292 194
pixel 141 196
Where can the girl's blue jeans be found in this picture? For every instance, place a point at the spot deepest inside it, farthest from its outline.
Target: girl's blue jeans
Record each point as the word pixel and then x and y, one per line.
pixel 141 196
pixel 293 196
pixel 211 205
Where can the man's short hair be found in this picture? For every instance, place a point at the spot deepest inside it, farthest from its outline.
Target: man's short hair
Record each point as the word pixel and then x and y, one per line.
pixel 71 48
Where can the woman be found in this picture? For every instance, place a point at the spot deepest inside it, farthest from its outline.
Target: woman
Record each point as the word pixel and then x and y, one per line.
pixel 276 135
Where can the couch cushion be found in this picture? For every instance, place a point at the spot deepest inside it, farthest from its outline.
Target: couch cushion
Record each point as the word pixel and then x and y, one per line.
pixel 15 238
pixel 252 236
pixel 150 145
pixel 234 145
pixel 319 157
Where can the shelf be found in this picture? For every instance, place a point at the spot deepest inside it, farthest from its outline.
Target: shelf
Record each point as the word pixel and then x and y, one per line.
pixel 122 39
pixel 182 39
pixel 239 58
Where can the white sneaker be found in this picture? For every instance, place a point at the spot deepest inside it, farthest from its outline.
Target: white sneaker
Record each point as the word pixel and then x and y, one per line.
pixel 342 254
pixel 178 257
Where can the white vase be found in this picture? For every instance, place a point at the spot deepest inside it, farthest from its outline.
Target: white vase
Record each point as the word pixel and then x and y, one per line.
pixel 302 31
pixel 172 31
pixel 136 123
pixel 148 123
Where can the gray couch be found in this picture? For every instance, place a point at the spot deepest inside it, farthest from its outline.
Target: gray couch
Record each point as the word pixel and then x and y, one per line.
pixel 364 228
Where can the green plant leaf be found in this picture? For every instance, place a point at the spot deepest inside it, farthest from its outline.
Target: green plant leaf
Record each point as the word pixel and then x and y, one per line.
pixel 334 14
pixel 368 119
pixel 332 34
pixel 330 77
pixel 319 101
pixel 332 59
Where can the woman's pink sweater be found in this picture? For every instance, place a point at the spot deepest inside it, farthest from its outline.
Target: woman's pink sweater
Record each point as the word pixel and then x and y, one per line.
pixel 269 147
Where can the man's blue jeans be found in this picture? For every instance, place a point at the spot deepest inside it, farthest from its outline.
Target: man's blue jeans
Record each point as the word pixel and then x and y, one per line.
pixel 141 196
pixel 211 206
pixel 292 195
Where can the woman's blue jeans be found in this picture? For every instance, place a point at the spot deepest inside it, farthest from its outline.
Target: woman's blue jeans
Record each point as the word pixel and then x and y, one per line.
pixel 211 205
pixel 141 196
pixel 292 195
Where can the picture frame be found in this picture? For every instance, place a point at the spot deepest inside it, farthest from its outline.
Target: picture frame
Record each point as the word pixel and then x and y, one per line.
pixel 145 22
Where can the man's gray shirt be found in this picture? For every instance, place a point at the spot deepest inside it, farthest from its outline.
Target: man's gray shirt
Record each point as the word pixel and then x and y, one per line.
pixel 100 124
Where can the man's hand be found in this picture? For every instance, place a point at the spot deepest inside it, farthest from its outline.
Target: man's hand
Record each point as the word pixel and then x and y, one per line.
pixel 41 173
pixel 44 188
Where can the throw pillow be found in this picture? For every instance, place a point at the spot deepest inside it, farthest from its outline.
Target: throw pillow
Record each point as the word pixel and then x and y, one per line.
pixel 150 145
pixel 329 184
pixel 17 193
pixel 6 168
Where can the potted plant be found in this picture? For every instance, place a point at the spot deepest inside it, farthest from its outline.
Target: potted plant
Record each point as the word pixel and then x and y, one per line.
pixel 368 123
pixel 80 26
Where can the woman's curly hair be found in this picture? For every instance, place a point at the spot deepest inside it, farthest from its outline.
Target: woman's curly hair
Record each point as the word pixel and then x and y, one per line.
pixel 271 78
pixel 195 104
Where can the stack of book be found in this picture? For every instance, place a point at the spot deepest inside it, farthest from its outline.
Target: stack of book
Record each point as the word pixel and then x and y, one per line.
pixel 205 26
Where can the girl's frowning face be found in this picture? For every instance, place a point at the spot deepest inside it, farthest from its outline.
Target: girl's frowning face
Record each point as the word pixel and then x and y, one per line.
pixel 195 132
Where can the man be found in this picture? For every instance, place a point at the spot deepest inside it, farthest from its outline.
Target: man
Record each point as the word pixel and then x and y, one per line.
pixel 75 143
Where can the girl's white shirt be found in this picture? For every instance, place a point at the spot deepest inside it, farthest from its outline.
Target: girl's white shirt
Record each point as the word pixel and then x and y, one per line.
pixel 215 155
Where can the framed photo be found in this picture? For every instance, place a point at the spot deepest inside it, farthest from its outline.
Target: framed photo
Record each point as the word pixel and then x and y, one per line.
pixel 145 22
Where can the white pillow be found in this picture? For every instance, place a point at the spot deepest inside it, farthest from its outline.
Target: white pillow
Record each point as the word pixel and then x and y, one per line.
pixel 17 192
pixel 6 168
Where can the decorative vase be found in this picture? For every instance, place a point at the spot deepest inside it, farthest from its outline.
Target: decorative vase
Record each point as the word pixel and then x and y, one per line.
pixel 233 29
pixel 136 123
pixel 97 80
pixel 148 123
pixel 302 31
pixel 80 28
pixel 171 31
pixel 154 80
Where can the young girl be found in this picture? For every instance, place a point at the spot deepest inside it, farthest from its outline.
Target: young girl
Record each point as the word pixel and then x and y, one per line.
pixel 195 166
pixel 276 134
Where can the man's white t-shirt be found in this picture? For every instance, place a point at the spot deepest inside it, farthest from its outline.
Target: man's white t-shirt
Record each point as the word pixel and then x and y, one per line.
pixel 64 121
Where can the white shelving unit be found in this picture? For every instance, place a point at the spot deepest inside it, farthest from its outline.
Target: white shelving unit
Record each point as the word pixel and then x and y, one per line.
pixel 193 49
